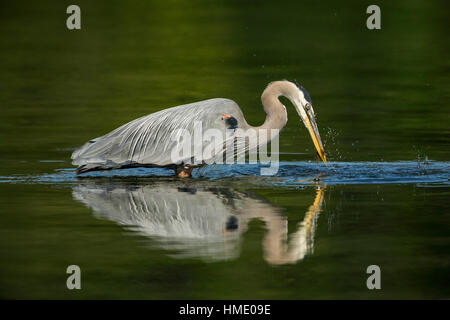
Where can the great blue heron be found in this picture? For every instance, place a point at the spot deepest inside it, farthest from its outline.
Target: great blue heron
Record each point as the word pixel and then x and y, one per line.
pixel 148 141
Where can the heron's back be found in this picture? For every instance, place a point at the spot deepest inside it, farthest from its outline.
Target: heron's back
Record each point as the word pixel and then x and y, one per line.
pixel 148 140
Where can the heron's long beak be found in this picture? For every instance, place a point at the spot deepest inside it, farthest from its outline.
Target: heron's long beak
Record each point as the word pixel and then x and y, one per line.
pixel 310 123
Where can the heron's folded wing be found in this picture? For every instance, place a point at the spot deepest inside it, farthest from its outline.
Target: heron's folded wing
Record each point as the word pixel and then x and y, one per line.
pixel 150 139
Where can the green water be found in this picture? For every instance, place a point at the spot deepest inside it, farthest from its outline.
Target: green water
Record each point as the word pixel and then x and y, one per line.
pixel 380 96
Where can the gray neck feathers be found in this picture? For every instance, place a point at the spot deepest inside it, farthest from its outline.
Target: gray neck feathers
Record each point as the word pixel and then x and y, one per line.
pixel 276 115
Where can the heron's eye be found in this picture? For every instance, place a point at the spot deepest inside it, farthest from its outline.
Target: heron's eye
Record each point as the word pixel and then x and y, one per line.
pixel 307 107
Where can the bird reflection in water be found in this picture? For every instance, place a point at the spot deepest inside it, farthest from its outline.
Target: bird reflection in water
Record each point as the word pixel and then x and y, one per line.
pixel 204 222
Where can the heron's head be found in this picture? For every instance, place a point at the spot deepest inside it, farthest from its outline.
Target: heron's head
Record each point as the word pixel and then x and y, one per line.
pixel 303 104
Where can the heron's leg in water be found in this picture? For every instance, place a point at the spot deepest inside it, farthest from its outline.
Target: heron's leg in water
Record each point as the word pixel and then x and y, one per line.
pixel 183 171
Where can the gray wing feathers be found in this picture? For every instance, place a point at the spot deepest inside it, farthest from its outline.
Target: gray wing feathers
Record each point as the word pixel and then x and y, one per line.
pixel 147 140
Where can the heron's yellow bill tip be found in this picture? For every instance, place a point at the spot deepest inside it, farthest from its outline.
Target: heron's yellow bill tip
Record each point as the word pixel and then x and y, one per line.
pixel 321 156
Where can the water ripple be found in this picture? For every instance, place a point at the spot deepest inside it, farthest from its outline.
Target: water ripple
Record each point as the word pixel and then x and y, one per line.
pixel 430 173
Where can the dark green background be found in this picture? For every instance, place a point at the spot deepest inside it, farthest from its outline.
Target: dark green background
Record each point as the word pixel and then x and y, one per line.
pixel 379 95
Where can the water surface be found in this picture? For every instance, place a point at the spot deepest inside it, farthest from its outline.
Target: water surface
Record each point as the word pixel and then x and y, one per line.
pixel 309 232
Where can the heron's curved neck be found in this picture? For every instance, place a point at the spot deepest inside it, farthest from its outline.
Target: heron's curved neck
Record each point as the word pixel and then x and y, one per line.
pixel 276 115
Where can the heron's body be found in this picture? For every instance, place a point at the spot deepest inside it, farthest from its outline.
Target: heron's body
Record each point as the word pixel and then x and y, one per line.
pixel 148 141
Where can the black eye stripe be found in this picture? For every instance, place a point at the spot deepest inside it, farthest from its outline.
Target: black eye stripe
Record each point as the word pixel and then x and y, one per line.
pixel 305 93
